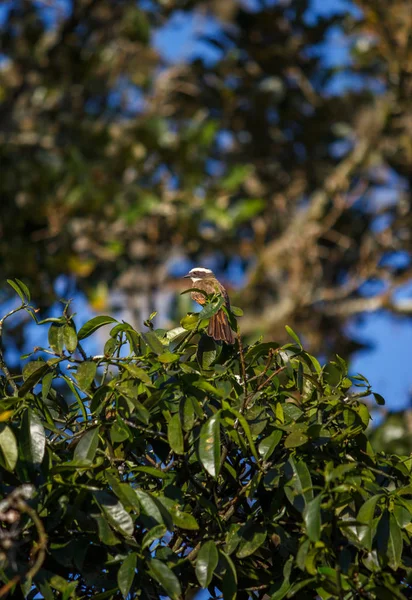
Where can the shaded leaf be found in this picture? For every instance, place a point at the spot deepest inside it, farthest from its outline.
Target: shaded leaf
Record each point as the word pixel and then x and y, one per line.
pixel 251 540
pixel 209 445
pixel 229 581
pixel 125 574
pixel 175 434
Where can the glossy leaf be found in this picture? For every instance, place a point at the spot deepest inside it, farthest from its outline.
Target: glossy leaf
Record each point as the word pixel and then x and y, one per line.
pixel 312 517
pixel 86 448
pixel 268 444
pixel 150 506
pixel 206 563
pixel 209 445
pixel 34 439
pixel 167 579
pixel 366 515
pixel 115 513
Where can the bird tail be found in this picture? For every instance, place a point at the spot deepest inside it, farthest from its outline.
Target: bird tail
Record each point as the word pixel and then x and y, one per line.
pixel 219 328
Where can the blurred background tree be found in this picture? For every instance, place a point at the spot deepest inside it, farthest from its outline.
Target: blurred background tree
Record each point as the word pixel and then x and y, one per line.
pixel 279 152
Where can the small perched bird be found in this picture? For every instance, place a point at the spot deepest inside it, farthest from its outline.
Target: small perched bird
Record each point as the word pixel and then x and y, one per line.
pixel 204 279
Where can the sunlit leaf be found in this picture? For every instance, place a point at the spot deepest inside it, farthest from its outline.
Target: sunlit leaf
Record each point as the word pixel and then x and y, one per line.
pixel 8 447
pixel 93 325
pixel 167 579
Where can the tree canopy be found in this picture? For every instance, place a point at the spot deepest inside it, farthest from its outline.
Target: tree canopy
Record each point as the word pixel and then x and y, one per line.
pixel 272 153
pixel 168 463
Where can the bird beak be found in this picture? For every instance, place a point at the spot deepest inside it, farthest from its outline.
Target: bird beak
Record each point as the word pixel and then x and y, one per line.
pixel 186 276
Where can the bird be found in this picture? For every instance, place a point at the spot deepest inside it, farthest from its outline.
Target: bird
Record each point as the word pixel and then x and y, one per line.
pixel 205 279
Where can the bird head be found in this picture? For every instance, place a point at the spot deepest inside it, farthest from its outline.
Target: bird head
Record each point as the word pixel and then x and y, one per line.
pixel 199 273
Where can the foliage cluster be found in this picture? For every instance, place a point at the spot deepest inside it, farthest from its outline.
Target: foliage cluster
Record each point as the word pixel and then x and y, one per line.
pixel 272 152
pixel 170 463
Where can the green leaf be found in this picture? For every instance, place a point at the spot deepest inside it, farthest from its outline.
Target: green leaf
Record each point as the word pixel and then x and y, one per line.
pixel 106 534
pixel 56 341
pixel 175 434
pixel 206 563
pixel 167 579
pixel 229 581
pixel 207 350
pixel 46 386
pixel 299 489
pixel 211 308
pixel 93 325
pixel 156 533
pixel 284 585
pixel 209 445
pixel 293 335
pixel 153 342
pixel 295 439
pixel 35 376
pixel 238 312
pixel 150 506
pixel 395 544
pixel 379 399
pixel 138 373
pixel 189 322
pixel 245 427
pixel 86 373
pixel 85 450
pixel 184 520
pixel 34 440
pixel 168 358
pixel 24 289
pixel 252 538
pixel 8 447
pixel 70 337
pixel 312 518
pixel 269 443
pixel 366 515
pixel 119 432
pixel 125 574
pixel 17 289
pixel 118 517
